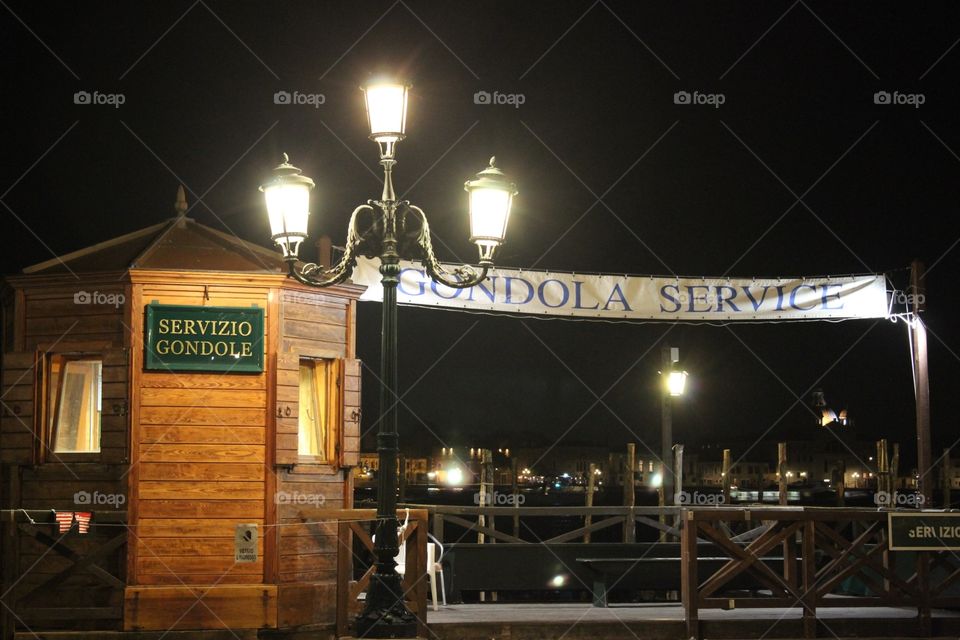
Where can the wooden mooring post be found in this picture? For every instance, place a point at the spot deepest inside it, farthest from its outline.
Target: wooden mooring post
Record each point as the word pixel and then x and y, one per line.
pixel 882 485
pixel 661 502
pixel 588 519
pixel 947 471
pixel 894 479
pixel 630 493
pixel 782 472
pixel 725 475
pixel 515 464
pixel 840 483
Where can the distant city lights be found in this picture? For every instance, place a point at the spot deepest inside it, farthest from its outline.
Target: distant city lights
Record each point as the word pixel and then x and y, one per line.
pixel 454 476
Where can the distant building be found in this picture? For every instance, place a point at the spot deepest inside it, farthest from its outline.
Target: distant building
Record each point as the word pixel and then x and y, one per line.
pixel 415 469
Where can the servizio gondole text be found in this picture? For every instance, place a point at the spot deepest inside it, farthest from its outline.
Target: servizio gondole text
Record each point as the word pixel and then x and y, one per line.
pixel 196 337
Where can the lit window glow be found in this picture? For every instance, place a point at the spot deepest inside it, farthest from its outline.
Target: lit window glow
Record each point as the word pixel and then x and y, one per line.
pixel 75 404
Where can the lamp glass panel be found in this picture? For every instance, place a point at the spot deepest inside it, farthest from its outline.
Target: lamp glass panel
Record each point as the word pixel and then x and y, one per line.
pixel 489 209
pixel 288 207
pixel 387 110
pixel 676 382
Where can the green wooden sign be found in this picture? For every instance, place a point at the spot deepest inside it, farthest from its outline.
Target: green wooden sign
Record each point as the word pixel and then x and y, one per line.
pixel 924 531
pixel 186 338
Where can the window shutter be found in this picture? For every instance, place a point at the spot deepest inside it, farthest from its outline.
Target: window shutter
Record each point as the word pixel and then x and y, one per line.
pixel 18 426
pixel 350 433
pixel 286 411
pixel 334 421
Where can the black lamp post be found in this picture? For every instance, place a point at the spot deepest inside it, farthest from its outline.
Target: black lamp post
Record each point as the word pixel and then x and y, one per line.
pixel 674 383
pixel 392 230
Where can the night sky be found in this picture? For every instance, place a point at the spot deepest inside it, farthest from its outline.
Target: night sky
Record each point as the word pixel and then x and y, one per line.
pixel 798 172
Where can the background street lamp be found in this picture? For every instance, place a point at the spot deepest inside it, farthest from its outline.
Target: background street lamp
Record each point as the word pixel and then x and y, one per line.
pixel 387 229
pixel 674 383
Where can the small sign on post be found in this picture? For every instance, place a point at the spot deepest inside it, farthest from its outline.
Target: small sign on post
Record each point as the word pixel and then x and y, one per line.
pixel 245 543
pixel 924 531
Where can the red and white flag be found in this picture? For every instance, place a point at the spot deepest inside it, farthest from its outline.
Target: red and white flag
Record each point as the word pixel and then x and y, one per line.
pixel 64 520
pixel 83 520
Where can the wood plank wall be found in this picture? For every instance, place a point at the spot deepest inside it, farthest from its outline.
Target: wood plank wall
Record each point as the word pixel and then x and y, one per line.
pixel 53 317
pixel 200 457
pixel 312 325
pixel 49 318
pixel 193 453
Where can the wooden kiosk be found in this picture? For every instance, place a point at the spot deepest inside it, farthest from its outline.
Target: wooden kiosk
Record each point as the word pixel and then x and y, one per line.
pixel 174 383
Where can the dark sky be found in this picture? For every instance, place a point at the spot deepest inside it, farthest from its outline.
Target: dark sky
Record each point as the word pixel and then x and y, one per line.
pixel 613 176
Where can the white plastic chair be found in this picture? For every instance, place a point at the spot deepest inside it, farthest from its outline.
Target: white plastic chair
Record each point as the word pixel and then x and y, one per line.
pixel 434 565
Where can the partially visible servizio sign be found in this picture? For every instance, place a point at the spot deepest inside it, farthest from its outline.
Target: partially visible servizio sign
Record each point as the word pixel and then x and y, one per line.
pixel 187 338
pixel 924 531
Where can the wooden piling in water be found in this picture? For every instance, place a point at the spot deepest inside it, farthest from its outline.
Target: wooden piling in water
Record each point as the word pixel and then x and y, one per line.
pixel 782 471
pixel 588 519
pixel 895 468
pixel 947 467
pixel 725 474
pixel 629 492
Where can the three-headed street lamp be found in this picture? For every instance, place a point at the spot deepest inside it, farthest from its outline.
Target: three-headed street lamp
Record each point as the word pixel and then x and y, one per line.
pixel 388 229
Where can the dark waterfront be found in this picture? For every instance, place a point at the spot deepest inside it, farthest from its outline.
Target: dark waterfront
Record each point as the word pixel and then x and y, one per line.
pixel 542 528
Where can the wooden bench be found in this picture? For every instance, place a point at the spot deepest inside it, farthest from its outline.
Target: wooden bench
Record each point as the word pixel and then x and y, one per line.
pixel 589 567
pixel 619 572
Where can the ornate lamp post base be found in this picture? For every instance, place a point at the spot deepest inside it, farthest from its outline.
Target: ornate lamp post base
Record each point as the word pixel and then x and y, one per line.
pixel 385 619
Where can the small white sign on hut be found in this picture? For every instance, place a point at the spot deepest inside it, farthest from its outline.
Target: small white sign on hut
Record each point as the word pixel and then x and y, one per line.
pixel 245 543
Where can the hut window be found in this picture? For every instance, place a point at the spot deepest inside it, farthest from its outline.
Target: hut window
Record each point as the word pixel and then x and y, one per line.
pixel 74 404
pixel 314 414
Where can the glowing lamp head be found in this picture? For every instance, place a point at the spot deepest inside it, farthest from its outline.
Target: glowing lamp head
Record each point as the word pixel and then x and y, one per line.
pixel 491 197
pixel 386 103
pixel 676 382
pixel 287 195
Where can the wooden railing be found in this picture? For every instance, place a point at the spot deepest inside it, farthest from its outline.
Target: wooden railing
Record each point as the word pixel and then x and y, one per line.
pixel 358 523
pixel 820 549
pixel 92 554
pixel 660 519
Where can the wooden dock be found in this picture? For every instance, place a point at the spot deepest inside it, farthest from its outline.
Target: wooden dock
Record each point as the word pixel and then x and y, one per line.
pixel 665 621
pixel 577 621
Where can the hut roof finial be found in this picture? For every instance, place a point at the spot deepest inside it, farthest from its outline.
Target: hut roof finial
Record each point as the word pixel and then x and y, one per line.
pixel 180 206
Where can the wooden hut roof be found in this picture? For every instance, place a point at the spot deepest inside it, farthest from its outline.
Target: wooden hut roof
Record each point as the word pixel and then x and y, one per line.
pixel 179 243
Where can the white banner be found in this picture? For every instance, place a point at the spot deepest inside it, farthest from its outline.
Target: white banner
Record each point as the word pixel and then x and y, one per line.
pixel 640 297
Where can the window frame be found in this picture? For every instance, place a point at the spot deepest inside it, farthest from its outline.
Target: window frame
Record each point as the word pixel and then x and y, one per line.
pixel 50 408
pixel 330 460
